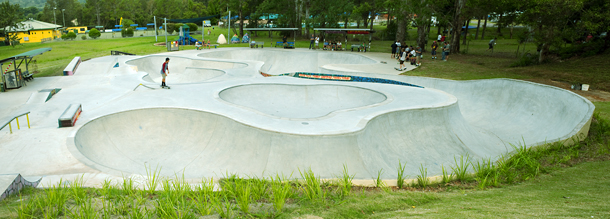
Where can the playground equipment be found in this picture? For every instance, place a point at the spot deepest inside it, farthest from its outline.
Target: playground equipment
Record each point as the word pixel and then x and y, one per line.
pixel 185 38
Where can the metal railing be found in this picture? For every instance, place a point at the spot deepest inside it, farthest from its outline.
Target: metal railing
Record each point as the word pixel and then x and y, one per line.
pixel 17 119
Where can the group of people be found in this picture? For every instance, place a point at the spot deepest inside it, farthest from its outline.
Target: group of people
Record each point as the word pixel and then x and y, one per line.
pixel 406 53
pixel 314 43
pixel 198 44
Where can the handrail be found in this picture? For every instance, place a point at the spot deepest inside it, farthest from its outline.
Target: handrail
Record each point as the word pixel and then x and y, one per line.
pixel 17 118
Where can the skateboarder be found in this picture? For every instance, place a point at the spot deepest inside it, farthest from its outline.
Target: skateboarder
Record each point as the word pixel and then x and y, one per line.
pixel 164 72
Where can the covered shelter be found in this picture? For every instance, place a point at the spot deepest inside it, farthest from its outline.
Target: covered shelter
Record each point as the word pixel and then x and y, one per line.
pixel 16 78
pixel 345 32
pixel 294 29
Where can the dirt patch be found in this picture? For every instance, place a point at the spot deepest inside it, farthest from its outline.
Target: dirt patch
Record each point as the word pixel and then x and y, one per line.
pixel 591 95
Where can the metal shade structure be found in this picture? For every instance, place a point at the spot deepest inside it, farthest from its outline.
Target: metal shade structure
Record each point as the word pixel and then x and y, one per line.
pixel 294 29
pixel 23 57
pixel 346 31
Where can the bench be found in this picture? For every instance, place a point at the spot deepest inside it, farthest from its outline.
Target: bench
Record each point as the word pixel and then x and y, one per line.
pixel 290 45
pixel 27 76
pixel 70 115
pixel 254 44
pixel 359 47
pixel 278 43
pixel 71 68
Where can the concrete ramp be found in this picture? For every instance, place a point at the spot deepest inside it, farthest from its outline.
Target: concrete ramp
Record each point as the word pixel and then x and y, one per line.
pixel 182 70
pixel 278 62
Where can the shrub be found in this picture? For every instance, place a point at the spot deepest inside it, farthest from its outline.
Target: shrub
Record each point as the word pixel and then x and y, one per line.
pixel 170 28
pixel 71 35
pixel 177 27
pixel 94 33
pixel 525 60
pixel 64 37
pixel 127 32
pixel 84 37
pixel 192 26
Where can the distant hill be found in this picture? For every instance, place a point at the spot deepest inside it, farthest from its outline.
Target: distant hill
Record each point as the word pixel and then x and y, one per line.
pixel 29 3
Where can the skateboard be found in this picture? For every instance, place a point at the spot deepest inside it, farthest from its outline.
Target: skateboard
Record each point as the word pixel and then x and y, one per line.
pixel 166 87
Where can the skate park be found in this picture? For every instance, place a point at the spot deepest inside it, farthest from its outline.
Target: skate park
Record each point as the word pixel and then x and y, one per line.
pixel 243 111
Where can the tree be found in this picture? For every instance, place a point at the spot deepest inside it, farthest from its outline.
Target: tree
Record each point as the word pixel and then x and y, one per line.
pixel 94 33
pixel 549 18
pixel 9 20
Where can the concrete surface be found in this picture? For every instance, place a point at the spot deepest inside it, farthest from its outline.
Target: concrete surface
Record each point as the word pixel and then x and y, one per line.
pixel 222 116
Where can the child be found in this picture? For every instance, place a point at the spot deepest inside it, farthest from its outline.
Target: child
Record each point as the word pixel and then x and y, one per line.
pixel 402 57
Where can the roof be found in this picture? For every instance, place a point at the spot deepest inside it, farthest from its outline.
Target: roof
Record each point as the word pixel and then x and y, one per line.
pixel 341 29
pixel 271 29
pixel 33 53
pixel 28 54
pixel 32 24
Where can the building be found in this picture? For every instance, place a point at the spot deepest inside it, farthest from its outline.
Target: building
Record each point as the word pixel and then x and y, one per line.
pixel 77 30
pixel 33 31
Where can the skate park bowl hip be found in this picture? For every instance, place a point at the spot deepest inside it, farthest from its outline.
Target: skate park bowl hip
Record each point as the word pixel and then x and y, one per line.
pixel 182 70
pixel 278 62
pixel 300 101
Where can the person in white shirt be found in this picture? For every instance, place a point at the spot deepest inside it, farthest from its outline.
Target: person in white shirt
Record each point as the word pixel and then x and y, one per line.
pixel 439 37
pixel 317 41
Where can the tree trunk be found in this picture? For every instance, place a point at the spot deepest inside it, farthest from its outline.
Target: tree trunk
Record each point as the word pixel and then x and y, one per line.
pixel 476 36
pixel 511 30
pixel 401 25
pixel 466 31
pixel 241 24
pixel 499 26
pixel 439 29
pixel 456 25
pixel 307 19
pixel 484 27
pixel 422 34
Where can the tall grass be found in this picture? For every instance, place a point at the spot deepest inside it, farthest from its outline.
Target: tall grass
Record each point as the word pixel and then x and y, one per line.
pixel 312 186
pixel 460 169
pixel 422 178
pixel 401 176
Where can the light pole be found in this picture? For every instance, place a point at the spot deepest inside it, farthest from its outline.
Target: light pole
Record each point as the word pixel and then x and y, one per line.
pixel 63 16
pixel 54 20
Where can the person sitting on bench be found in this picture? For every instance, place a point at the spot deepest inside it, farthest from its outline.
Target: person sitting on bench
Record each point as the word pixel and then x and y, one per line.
pixel 339 45
pixel 207 44
pixel 197 45
pixel 326 46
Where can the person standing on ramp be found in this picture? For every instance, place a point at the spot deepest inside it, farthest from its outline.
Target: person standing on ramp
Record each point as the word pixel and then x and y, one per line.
pixel 164 72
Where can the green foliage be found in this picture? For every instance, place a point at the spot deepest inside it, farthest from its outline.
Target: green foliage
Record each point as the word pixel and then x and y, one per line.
pixel 94 33
pixel 525 60
pixel 594 47
pixel 312 187
pixel 192 26
pixel 400 179
pixel 9 20
pixel 170 28
pixel 460 169
pixel 177 27
pixel 71 35
pixel 83 37
pixel 127 32
pixel 422 178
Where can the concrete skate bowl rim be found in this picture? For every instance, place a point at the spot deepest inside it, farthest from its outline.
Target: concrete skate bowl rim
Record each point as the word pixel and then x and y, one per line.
pixel 73 148
pixel 146 76
pixel 128 62
pixel 268 66
pixel 388 99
